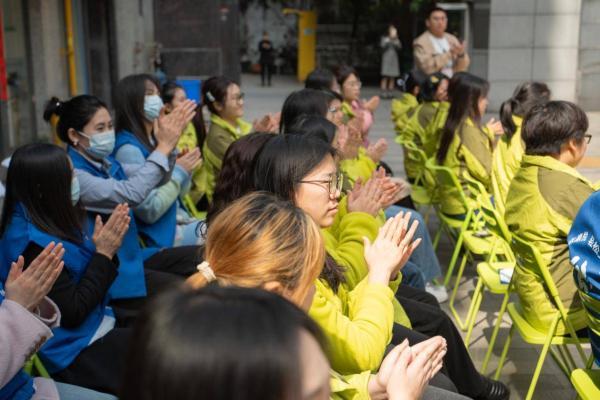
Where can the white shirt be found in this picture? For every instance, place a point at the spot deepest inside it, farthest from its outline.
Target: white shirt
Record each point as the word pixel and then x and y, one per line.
pixel 441 46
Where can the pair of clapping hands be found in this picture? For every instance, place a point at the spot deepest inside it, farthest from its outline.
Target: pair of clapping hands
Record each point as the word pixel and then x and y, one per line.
pixel 28 288
pixel 378 193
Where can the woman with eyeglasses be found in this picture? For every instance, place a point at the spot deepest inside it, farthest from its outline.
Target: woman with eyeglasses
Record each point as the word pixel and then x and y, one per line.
pixel 162 220
pixel 295 168
pixel 225 101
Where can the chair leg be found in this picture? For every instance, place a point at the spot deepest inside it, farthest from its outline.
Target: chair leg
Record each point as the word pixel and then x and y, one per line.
pixel 462 324
pixel 572 364
pixel 560 360
pixel 504 352
pixel 492 342
pixel 436 239
pixel 454 258
pixel 473 316
pixel 540 363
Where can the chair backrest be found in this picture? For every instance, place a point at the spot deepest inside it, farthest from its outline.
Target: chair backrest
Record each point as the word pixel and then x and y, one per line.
pixel 445 177
pixel 494 221
pixel 529 256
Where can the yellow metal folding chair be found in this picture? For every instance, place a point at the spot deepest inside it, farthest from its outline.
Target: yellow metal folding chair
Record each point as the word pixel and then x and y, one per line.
pixel 526 254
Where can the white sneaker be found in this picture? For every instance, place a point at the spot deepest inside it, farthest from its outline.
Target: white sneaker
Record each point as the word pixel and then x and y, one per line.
pixel 439 291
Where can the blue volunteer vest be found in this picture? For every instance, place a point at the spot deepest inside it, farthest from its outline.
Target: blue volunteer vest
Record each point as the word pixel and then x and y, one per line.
pixel 160 234
pixel 60 351
pixel 20 387
pixel 584 250
pixel 130 282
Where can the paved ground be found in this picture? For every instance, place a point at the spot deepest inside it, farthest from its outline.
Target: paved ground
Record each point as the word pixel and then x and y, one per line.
pixel 522 357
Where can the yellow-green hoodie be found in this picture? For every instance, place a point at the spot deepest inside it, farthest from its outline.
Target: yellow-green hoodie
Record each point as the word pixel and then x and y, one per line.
pixel 470 153
pixel 189 141
pixel 361 167
pixel 402 109
pixel 544 198
pixel 506 163
pixel 424 128
pixel 358 319
pixel 220 135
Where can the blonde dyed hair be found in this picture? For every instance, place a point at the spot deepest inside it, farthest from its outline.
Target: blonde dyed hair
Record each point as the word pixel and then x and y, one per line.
pixel 260 239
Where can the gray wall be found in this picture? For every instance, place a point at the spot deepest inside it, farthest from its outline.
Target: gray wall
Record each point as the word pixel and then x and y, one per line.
pixel 134 31
pixel 49 62
pixel 534 40
pixel 589 55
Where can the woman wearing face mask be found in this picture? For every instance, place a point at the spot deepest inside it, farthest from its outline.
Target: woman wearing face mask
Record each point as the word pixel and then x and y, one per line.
pixel 87 349
pixel 304 171
pixel 161 218
pixel 261 242
pixel 85 125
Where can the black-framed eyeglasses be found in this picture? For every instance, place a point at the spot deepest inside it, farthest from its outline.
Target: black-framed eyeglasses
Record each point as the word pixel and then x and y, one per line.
pixel 588 138
pixel 334 183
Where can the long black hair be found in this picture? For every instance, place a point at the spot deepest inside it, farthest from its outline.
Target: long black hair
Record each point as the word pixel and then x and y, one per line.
pixel 282 163
pixel 464 92
pixel 320 79
pixel 168 94
pixel 314 126
pixel 236 177
pixel 525 96
pixel 303 102
pixel 75 113
pixel 129 105
pixel 39 178
pixel 217 343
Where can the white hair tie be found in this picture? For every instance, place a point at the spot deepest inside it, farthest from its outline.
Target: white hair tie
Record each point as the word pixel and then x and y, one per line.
pixel 210 97
pixel 205 269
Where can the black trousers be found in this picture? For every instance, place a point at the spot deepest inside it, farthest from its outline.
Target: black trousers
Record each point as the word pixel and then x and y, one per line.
pixel 101 365
pixel 266 70
pixel 167 268
pixel 428 320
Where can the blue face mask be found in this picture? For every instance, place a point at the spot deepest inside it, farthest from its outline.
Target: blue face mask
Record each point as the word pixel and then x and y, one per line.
pixel 152 106
pixel 75 190
pixel 101 144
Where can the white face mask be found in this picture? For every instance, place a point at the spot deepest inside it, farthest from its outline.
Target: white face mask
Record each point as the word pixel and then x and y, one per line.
pixel 152 106
pixel 101 144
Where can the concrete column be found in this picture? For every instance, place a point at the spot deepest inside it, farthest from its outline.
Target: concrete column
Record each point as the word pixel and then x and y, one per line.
pixel 533 40
pixel 48 57
pixel 134 30
pixel 589 56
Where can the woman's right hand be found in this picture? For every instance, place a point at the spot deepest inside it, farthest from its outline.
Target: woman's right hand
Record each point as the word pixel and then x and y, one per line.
pixel 168 127
pixel 391 249
pixel 29 287
pixel 108 237
pixel 365 198
pixel 190 160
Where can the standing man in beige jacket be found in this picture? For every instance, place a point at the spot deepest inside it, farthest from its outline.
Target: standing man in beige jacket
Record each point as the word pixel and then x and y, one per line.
pixel 438 51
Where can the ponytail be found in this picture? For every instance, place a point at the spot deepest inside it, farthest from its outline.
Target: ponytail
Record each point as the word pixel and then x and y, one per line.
pixel 506 114
pixel 524 98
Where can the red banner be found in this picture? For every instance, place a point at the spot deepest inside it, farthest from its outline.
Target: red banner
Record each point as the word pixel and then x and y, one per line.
pixel 3 83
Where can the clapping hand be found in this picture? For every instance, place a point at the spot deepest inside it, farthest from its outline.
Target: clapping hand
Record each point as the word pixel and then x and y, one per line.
pixel 29 287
